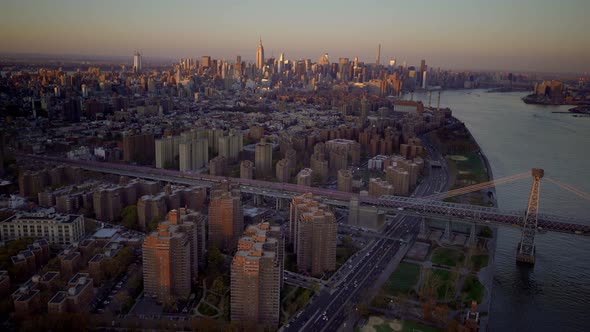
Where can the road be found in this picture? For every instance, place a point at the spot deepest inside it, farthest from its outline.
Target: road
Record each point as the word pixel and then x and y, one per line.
pixel 331 307
pixel 410 206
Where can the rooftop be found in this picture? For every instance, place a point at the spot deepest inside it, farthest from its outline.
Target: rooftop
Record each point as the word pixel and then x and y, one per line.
pixel 97 258
pixel 105 233
pixel 27 296
pixel 50 275
pixel 42 216
pixel 59 297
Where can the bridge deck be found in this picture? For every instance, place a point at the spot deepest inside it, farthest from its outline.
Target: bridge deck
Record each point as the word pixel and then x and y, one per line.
pixel 399 205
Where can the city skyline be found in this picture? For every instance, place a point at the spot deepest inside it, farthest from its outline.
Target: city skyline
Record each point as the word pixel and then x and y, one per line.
pixel 527 36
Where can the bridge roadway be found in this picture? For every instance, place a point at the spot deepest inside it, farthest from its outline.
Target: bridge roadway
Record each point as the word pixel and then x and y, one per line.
pixel 409 206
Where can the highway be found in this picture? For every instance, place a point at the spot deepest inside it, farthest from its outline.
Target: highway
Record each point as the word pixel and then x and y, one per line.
pixel 410 206
pixel 332 307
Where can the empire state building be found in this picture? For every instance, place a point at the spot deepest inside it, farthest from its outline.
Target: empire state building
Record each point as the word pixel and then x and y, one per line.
pixel 260 56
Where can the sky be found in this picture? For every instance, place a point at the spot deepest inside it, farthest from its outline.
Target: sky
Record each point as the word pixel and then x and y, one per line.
pixel 523 35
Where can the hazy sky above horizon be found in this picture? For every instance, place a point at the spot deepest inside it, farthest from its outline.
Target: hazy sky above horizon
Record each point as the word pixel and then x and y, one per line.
pixel 539 35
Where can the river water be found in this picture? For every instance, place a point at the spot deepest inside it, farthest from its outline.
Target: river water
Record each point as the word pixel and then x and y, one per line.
pixel 554 295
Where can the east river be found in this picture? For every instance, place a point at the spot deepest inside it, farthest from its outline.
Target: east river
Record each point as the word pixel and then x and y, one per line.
pixel 554 295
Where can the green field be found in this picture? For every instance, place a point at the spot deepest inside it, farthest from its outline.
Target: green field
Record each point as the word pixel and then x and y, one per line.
pixel 383 328
pixel 479 261
pixel 207 310
pixel 406 326
pixel 293 299
pixel 440 284
pixel 447 256
pixel 416 327
pixel 472 290
pixel 403 279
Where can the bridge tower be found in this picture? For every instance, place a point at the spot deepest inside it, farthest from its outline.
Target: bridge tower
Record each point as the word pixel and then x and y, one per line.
pixel 526 247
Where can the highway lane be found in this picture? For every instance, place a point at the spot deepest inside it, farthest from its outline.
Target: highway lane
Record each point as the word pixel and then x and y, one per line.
pixel 329 310
pixel 362 275
pixel 401 205
pixel 367 285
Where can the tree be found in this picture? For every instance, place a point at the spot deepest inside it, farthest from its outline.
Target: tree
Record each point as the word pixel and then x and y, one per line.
pixel 214 256
pixel 129 217
pixel 121 298
pixel 316 287
pixel 380 301
pixel 347 241
pixel 427 309
pixel 153 224
pixel 363 310
pixel 430 285
pixel 317 178
pixel 218 286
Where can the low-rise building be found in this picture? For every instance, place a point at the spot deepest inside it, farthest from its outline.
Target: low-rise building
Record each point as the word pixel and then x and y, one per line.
pixel 60 229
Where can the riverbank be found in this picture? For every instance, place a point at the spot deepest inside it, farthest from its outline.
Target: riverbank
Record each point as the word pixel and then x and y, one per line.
pixel 516 137
pixel 461 149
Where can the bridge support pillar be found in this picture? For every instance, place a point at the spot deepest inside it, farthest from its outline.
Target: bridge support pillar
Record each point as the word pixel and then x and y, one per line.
pixel 279 203
pixel 257 200
pixel 525 253
pixel 472 236
pixel 447 235
pixel 423 229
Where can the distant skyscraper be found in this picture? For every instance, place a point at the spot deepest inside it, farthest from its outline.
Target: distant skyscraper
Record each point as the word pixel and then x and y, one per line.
pixel 136 62
pixel 260 56
pixel 206 61
pixel 324 60
pixel 263 159
pixel 281 63
pixel 422 70
pixel 378 61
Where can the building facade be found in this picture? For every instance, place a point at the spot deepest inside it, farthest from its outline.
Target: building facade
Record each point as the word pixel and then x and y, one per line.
pixel 226 220
pixel 56 228
pixel 312 230
pixel 256 276
pixel 167 264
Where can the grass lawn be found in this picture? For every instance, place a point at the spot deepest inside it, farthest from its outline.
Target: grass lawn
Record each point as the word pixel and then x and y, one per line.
pixel 479 261
pixel 415 327
pixel 383 327
pixel 403 279
pixel 442 282
pixel 294 298
pixel 207 310
pixel 476 168
pixel 212 298
pixel 472 290
pixel 447 256
pixel 447 288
